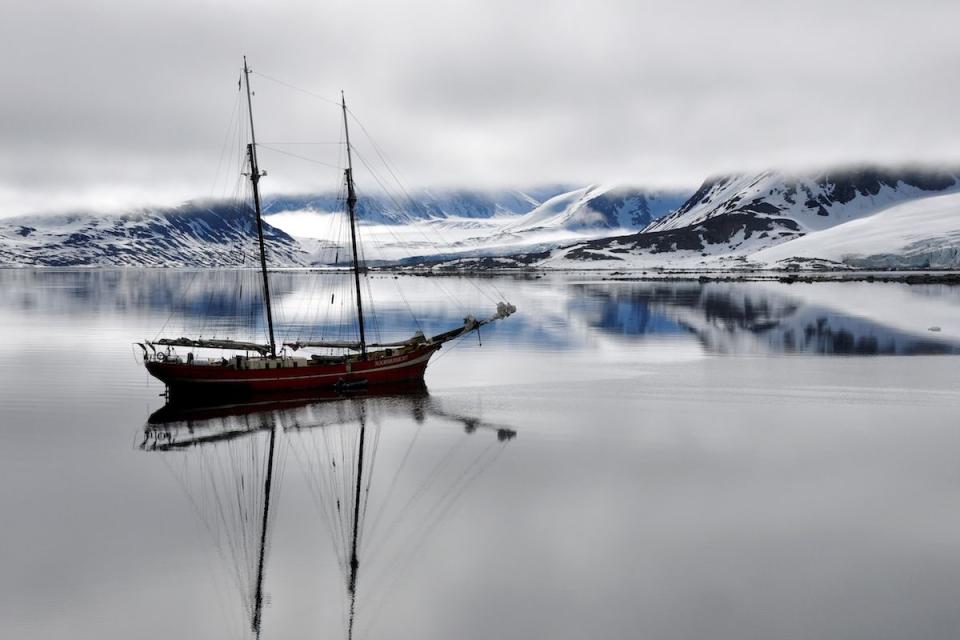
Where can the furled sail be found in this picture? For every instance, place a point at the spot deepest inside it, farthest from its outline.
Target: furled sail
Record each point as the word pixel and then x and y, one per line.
pixel 234 345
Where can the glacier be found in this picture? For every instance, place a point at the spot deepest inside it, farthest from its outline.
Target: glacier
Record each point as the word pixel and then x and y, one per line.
pixel 919 234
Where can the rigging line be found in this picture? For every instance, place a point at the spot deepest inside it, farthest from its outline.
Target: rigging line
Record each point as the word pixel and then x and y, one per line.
pixel 419 494
pixel 456 342
pixel 220 574
pixel 296 321
pixel 400 564
pixel 376 320
pixel 315 298
pixel 177 303
pixel 437 515
pixel 406 193
pixel 334 229
pixel 226 138
pixel 328 486
pixel 261 145
pixel 458 486
pixel 429 521
pixel 388 167
pixel 303 307
pixel 497 289
pixel 335 103
pixel 396 476
pixel 327 280
pixel 406 303
pixel 400 243
pixel 419 229
pixel 217 471
pixel 366 489
pixel 180 478
pixel 386 190
pixel 346 301
pixel 372 312
pixel 305 143
pixel 399 288
pixel 400 294
pixel 319 487
pixel 381 248
pixel 382 156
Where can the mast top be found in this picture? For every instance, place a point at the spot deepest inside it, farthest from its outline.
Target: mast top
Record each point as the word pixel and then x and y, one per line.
pixel 351 192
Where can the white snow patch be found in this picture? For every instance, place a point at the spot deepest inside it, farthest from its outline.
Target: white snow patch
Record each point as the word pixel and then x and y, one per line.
pixel 923 232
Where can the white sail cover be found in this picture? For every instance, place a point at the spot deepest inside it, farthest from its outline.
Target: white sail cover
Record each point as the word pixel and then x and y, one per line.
pixel 235 345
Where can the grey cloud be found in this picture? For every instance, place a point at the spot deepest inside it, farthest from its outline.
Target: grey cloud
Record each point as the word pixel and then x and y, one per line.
pixel 131 99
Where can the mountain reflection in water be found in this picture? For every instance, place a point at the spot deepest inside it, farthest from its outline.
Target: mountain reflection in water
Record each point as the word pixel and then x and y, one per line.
pixel 231 462
pixel 747 318
pixel 556 313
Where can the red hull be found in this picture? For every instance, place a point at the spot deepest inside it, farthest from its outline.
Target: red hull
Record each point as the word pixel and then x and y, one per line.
pixel 196 379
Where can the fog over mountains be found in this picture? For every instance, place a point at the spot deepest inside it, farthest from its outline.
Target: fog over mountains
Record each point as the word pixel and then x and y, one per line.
pixel 866 217
pixel 308 229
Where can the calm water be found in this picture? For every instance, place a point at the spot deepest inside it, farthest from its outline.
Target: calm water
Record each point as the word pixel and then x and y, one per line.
pixel 618 460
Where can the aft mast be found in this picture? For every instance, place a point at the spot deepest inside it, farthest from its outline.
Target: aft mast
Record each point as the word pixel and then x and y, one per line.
pixel 351 208
pixel 255 176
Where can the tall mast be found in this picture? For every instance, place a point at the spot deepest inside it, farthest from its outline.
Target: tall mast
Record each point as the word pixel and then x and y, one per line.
pixel 351 207
pixel 255 181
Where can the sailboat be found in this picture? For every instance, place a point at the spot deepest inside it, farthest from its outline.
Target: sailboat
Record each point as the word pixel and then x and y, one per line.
pixel 256 367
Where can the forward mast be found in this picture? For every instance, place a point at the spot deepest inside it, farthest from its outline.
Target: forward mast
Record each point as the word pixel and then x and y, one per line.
pixel 255 176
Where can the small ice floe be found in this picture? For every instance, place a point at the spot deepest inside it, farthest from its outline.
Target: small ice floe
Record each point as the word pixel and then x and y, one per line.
pixel 934 329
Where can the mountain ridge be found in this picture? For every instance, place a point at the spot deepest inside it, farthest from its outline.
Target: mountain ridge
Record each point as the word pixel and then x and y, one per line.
pixel 192 235
pixel 816 200
pixel 731 218
pixel 770 219
pixel 221 234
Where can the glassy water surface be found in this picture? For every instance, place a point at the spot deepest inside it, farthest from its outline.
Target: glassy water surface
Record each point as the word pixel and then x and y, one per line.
pixel 619 459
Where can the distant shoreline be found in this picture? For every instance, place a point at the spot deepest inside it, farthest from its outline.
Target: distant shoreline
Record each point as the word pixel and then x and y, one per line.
pixel 918 276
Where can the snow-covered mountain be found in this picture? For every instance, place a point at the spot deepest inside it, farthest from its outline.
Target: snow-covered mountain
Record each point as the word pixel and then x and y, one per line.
pixel 866 217
pixel 212 235
pixel 302 230
pixel 607 207
pixel 922 233
pixel 477 223
pixel 814 202
pixel 730 219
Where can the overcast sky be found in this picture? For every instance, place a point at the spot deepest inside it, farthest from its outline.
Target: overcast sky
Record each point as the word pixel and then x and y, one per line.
pixel 114 103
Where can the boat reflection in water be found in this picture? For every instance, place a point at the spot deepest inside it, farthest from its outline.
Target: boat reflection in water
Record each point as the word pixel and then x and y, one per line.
pixel 232 462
